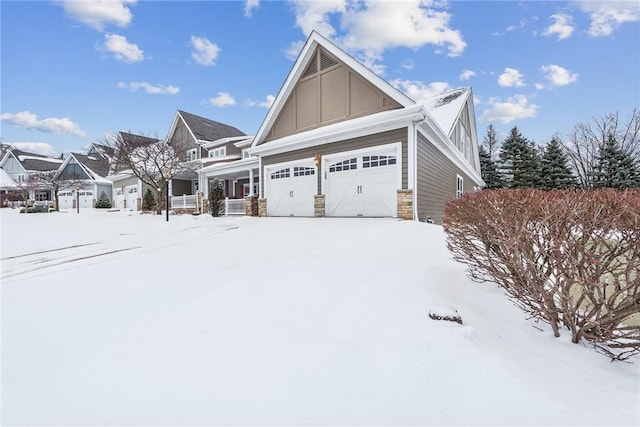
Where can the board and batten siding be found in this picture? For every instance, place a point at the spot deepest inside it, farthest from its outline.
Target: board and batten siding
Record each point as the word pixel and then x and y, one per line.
pixel 436 180
pixel 396 135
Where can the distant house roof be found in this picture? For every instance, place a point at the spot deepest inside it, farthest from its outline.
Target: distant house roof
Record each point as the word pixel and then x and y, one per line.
pixel 204 129
pixel 6 181
pixel 136 140
pixel 36 162
pixel 104 150
pixel 99 166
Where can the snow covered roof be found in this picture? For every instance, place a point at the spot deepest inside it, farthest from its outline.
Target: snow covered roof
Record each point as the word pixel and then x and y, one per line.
pixel 204 129
pixel 445 108
pixel 36 162
pixel 6 181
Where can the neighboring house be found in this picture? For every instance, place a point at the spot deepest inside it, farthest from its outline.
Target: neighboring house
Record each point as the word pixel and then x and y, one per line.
pixel 21 165
pixel 85 178
pixel 7 185
pixel 340 141
pixel 128 189
pixel 206 143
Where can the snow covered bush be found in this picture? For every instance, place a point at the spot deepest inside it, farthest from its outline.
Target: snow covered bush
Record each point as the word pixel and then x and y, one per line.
pixel 569 258
pixel 103 201
pixel 216 198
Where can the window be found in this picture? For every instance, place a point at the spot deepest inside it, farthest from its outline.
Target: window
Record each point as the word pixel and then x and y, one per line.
pixel 375 161
pixel 132 190
pixel 245 189
pixel 218 152
pixel 192 154
pixel 42 196
pixel 459 186
pixel 21 177
pixel 344 165
pixel 245 154
pixel 303 171
pixel 282 173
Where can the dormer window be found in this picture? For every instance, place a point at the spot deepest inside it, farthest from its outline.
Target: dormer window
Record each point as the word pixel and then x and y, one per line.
pixel 245 154
pixel 192 154
pixel 218 152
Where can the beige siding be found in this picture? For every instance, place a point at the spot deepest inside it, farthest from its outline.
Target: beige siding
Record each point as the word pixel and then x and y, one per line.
pixel 397 135
pixel 331 92
pixel 181 135
pixel 436 181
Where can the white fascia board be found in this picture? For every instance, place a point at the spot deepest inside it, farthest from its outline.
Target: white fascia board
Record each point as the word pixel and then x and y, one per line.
pixel 474 130
pixel 435 135
pixel 230 167
pixel 314 40
pixel 245 142
pixel 210 144
pixel 175 124
pixel 362 126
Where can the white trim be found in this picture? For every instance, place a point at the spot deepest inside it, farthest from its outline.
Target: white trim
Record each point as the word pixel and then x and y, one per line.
pixel 261 181
pixel 412 166
pixel 268 169
pixel 362 126
pixel 459 186
pixel 373 149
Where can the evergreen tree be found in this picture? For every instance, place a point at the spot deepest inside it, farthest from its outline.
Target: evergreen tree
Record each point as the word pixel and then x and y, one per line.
pixel 148 201
pixel 216 198
pixel 519 162
pixel 614 168
pixel 489 170
pixel 555 172
pixel 103 201
pixel 491 142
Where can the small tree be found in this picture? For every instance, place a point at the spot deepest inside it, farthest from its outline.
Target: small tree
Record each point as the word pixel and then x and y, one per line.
pixel 556 174
pixel 614 168
pixel 489 170
pixel 148 201
pixel 103 201
pixel 519 161
pixel 216 198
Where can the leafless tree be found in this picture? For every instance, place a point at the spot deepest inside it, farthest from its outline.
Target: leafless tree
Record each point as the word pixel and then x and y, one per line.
pixel 587 139
pixel 56 182
pixel 155 162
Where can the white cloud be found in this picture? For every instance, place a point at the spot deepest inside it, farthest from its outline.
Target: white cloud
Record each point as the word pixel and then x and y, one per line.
pixel 204 51
pixel 222 100
pixel 98 13
pixel 467 74
pixel 28 120
pixel 294 50
pixel 607 16
pixel 249 5
pixel 510 28
pixel 558 76
pixel 539 86
pixel 418 91
pixel 370 27
pixel 267 103
pixel 562 26
pixel 149 88
pixel 121 49
pixel 508 110
pixel 408 64
pixel 34 147
pixel 511 77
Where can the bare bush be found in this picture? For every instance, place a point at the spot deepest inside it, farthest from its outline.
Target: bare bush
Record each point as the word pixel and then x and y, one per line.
pixel 569 258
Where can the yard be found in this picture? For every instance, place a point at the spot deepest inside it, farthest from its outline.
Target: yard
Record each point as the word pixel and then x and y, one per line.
pixel 117 318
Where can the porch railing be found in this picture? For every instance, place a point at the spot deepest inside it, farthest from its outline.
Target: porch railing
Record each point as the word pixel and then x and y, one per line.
pixel 234 206
pixel 184 202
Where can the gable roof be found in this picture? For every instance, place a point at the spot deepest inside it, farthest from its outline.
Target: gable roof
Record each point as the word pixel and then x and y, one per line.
pixel 95 168
pixel 204 129
pixel 306 55
pixel 33 162
pixel 447 107
pixel 135 140
pixel 103 150
pixel 6 181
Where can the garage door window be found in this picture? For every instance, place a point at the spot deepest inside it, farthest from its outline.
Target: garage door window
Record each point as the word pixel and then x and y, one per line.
pixel 282 173
pixel 375 161
pixel 303 171
pixel 344 165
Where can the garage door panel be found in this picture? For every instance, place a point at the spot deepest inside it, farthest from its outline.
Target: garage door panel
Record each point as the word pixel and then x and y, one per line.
pixel 290 189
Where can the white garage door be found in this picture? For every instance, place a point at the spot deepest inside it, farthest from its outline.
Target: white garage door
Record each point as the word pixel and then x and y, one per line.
pixel 131 195
pixel 65 199
pixel 290 189
pixel 362 183
pixel 118 199
pixel 86 199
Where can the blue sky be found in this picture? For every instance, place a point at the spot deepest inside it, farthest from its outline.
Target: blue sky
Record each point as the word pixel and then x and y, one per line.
pixel 73 72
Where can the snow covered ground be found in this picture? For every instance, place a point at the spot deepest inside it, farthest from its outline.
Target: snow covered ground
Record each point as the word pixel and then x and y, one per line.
pixel 115 318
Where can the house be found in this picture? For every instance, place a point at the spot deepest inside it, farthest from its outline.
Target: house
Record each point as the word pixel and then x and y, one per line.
pixel 208 143
pixel 341 141
pixel 128 189
pixel 85 180
pixel 21 166
pixel 7 185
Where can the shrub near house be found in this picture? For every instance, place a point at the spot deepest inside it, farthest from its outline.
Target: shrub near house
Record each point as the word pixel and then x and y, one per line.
pixel 569 258
pixel 103 201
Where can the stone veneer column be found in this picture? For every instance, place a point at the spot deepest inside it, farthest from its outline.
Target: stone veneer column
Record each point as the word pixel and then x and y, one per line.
pixel 405 204
pixel 251 208
pixel 262 207
pixel 318 205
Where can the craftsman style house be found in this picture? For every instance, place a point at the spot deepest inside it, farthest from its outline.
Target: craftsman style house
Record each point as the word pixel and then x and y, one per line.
pixel 19 166
pixel 340 141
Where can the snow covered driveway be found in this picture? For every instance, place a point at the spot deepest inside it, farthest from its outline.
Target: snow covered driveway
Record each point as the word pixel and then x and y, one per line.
pixel 116 318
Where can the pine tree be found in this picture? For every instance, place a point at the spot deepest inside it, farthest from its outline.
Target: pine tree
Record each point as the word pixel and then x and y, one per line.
pixel 491 142
pixel 555 172
pixel 216 198
pixel 148 201
pixel 614 168
pixel 519 162
pixel 489 170
pixel 103 201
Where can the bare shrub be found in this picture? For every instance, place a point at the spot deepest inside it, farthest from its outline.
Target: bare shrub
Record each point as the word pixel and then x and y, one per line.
pixel 569 258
